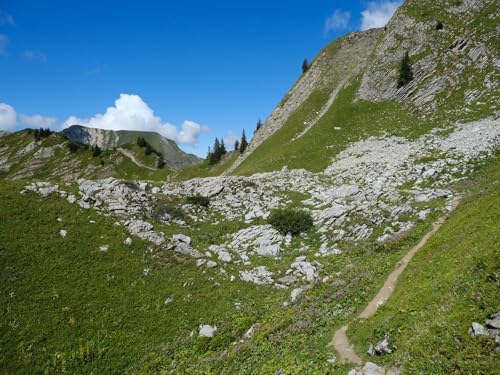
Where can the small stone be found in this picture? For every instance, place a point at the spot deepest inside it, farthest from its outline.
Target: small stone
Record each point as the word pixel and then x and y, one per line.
pixel 103 248
pixel 207 331
pixel 63 233
pixel 128 241
pixel 211 264
pixel 477 330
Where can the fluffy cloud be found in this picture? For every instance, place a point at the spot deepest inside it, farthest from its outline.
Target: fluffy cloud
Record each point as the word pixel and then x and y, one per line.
pixel 3 43
pixel 377 14
pixel 8 117
pixel 37 121
pixel 34 56
pixel 130 112
pixel 339 20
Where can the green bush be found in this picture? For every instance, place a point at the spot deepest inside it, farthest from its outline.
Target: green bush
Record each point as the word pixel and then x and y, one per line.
pixel 75 146
pixel 291 221
pixel 198 200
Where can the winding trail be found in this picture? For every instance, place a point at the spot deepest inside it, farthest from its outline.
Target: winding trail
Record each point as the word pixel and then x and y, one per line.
pixel 340 342
pixel 134 160
pixel 323 110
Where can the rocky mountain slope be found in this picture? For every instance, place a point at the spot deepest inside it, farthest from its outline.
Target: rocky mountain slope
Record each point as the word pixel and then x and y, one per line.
pixel 105 255
pixel 455 61
pixel 174 157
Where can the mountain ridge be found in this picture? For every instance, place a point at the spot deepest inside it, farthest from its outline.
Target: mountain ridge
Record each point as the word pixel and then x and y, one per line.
pixel 173 156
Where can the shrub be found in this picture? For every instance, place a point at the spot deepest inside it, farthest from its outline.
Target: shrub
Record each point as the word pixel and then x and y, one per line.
pixel 291 221
pixel 96 151
pixel 75 146
pixel 198 200
pixel 160 164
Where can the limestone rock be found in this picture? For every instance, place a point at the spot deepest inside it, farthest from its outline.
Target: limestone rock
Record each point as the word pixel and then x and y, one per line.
pixel 206 330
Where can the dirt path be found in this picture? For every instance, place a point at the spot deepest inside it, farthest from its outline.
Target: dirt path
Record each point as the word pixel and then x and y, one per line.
pixel 340 341
pixel 131 156
pixel 324 109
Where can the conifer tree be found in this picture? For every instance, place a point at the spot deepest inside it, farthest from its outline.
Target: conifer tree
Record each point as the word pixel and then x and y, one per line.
pixel 236 145
pixel 305 66
pixel 405 72
pixel 243 143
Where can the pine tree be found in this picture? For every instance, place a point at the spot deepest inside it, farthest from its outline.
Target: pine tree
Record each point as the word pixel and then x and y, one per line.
pixel 305 66
pixel 222 148
pixel 259 125
pixel 405 72
pixel 243 143
pixel 236 145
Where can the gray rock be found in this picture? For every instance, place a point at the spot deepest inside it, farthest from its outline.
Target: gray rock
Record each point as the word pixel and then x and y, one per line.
pixel 182 238
pixel 211 264
pixel 477 330
pixel 268 249
pixel 259 275
pixel 206 330
pixel 494 322
pixel 287 280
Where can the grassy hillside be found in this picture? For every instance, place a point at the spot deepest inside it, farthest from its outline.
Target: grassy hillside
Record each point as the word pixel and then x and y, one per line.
pixel 24 158
pixel 451 282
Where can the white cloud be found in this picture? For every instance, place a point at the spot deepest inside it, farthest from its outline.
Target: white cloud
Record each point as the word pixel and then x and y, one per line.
pixel 10 120
pixel 35 56
pixel 339 20
pixel 378 13
pixel 130 112
pixel 3 43
pixel 8 117
pixel 37 121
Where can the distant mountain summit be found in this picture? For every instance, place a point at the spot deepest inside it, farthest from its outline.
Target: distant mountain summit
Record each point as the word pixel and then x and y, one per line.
pixel 174 157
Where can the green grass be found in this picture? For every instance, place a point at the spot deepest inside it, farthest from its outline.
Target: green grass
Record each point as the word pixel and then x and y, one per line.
pixel 450 283
pixel 68 306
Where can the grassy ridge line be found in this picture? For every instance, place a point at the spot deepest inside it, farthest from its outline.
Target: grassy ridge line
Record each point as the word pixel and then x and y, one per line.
pixel 450 283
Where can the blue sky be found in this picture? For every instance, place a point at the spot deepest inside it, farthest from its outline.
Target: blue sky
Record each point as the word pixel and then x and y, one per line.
pixel 192 70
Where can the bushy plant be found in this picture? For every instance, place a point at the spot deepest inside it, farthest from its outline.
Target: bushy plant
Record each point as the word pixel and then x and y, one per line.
pixel 290 221
pixel 198 200
pixel 96 151
pixel 75 146
pixel 160 164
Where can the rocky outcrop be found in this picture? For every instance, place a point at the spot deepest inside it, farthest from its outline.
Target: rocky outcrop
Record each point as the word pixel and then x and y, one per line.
pixel 438 65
